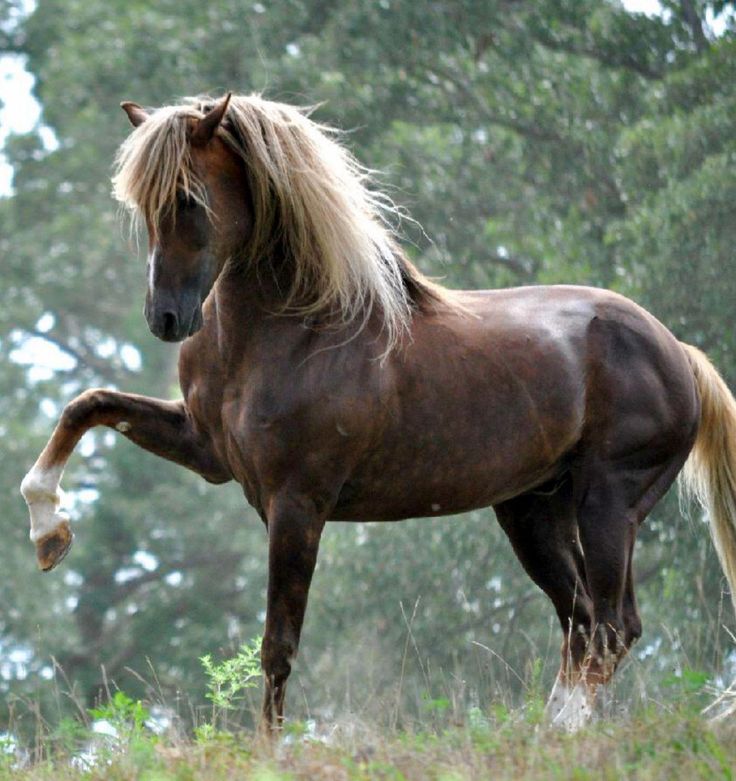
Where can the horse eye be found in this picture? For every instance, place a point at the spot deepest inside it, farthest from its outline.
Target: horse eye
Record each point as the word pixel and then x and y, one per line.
pixel 184 201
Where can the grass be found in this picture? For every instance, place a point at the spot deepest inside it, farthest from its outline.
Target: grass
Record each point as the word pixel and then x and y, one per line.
pixel 121 739
pixel 656 743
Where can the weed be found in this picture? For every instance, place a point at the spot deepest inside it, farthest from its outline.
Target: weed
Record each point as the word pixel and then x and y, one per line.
pixel 126 716
pixel 230 678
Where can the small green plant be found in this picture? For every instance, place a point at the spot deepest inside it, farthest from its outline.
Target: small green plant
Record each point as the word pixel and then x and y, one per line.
pixel 69 735
pixel 126 715
pixel 690 687
pixel 432 704
pixel 208 734
pixel 688 681
pixel 535 699
pixel 8 751
pixel 228 680
pixel 296 730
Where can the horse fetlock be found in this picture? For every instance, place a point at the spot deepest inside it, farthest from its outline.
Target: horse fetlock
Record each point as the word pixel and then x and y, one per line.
pixel 41 486
pixel 276 658
pixel 577 642
pixel 633 629
pixel 606 652
pixel 611 643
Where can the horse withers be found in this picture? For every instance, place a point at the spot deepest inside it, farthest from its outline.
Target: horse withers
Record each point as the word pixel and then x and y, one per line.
pixel 322 371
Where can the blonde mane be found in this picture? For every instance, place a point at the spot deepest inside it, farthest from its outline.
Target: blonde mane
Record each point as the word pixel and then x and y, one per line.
pixel 310 195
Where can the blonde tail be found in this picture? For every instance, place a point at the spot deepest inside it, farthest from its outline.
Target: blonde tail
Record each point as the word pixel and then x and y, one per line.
pixel 709 474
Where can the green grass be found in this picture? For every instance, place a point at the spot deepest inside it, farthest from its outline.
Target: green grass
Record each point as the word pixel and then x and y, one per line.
pixel 441 742
pixel 653 744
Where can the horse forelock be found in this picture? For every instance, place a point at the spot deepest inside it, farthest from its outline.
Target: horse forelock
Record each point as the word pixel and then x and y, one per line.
pixel 308 191
pixel 154 163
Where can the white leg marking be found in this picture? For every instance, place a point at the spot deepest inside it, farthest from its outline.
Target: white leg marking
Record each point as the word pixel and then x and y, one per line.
pixel 40 489
pixel 569 708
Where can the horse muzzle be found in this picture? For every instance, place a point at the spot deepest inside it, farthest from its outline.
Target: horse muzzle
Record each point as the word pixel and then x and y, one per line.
pixel 172 323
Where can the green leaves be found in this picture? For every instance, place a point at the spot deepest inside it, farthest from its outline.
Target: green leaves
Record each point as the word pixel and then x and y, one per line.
pixel 124 714
pixel 227 680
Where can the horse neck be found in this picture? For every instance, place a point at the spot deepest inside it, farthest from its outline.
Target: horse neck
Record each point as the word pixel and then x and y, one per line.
pixel 247 293
pixel 249 305
pixel 242 295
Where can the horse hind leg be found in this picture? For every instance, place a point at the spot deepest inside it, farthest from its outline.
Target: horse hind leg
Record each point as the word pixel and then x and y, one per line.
pixel 630 609
pixel 542 529
pixel 607 529
pixel 611 505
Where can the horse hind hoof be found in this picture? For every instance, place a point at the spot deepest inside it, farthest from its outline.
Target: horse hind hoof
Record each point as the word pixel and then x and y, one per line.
pixel 52 549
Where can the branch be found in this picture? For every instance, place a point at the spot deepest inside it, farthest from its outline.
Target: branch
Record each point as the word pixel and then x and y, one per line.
pixel 642 576
pixel 225 561
pixel 694 22
pixel 86 358
pixel 531 131
pixel 57 342
pixel 125 590
pixel 622 59
pixel 520 267
pixel 8 45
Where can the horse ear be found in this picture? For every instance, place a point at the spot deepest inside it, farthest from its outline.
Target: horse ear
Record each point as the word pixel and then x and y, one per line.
pixel 205 128
pixel 136 114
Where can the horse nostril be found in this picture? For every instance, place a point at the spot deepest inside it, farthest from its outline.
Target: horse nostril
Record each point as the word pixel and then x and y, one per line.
pixel 169 323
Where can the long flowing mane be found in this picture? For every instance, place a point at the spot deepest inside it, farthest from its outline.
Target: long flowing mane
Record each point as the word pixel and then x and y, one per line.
pixel 311 197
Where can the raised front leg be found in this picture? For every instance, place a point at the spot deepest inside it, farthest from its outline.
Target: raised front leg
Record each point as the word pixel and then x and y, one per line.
pixel 294 530
pixel 162 427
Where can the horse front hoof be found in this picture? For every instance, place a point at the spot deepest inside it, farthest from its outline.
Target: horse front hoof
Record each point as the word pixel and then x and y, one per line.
pixel 52 548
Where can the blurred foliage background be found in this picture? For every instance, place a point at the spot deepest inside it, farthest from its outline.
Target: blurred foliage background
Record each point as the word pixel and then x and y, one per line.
pixel 535 141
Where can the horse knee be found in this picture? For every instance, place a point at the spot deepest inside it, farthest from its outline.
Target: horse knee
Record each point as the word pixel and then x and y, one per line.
pixel 276 657
pixel 79 409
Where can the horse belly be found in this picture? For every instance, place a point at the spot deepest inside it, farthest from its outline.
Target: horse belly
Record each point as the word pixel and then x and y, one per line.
pixel 477 448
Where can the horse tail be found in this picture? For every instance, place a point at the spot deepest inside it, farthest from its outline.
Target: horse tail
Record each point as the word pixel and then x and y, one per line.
pixel 709 474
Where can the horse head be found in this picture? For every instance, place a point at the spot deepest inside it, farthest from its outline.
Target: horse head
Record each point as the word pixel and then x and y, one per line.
pixel 195 217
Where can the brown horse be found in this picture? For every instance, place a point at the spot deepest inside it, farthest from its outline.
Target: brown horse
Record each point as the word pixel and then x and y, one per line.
pixel 332 380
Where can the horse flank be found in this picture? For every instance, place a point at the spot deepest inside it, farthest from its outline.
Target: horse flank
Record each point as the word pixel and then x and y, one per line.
pixel 309 193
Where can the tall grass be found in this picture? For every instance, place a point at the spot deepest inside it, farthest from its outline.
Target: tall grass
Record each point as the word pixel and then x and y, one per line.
pixel 648 727
pixel 654 743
